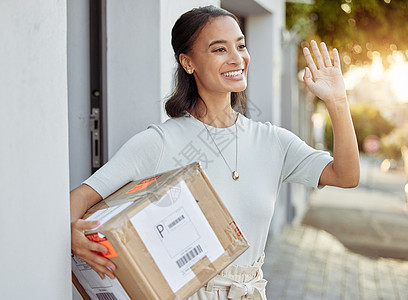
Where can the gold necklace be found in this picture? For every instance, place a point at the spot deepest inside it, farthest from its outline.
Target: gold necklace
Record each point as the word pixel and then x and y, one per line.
pixel 234 173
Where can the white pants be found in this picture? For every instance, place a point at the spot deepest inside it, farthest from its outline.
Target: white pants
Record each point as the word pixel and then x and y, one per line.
pixel 235 282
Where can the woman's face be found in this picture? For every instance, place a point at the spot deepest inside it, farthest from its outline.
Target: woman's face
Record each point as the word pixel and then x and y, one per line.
pixel 219 58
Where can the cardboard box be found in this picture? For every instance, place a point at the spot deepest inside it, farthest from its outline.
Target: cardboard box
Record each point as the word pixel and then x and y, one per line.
pixel 167 235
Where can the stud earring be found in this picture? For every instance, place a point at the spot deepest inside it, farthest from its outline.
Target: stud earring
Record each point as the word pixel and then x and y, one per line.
pixel 189 71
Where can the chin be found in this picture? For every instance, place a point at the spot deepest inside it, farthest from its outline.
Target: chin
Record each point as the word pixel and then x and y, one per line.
pixel 239 89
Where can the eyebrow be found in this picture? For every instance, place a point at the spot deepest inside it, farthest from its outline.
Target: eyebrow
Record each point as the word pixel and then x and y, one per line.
pixel 224 41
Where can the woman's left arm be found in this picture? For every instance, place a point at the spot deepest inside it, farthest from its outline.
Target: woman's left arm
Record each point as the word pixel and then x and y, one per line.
pixel 325 80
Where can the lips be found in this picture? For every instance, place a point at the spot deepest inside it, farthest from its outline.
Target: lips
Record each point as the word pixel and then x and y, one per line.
pixel 233 73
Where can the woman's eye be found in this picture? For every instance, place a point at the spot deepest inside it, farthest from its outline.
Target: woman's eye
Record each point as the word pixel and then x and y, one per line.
pixel 219 50
pixel 243 46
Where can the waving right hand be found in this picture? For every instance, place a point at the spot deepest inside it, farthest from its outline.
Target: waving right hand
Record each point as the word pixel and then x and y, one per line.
pixel 84 249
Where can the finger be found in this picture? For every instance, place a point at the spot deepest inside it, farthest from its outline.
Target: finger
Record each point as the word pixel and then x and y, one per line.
pixel 106 263
pixel 101 270
pixel 336 58
pixel 326 56
pixel 80 244
pixel 88 251
pixel 307 77
pixel 100 264
pixel 98 260
pixel 93 246
pixel 101 275
pixel 309 60
pixel 316 54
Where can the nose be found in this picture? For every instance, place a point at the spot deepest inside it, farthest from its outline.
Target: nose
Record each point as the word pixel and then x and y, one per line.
pixel 235 57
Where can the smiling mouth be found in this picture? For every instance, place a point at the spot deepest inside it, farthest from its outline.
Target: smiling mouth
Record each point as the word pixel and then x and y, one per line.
pixel 232 73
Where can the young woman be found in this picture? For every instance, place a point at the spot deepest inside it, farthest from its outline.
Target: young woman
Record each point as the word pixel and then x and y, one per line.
pixel 245 160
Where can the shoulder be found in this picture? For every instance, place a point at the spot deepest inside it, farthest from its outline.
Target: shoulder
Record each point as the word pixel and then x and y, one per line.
pixel 152 137
pixel 270 132
pixel 259 127
pixel 175 127
pixel 170 124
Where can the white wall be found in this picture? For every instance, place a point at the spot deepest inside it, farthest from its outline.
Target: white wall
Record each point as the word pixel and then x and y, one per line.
pixel 78 91
pixel 34 213
pixel 270 5
pixel 261 93
pixel 263 33
pixel 133 69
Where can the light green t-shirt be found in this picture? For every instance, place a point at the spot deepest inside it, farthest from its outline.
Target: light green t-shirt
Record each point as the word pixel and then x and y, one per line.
pixel 267 156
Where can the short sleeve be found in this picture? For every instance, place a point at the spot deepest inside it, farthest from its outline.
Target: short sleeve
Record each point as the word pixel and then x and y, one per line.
pixel 302 164
pixel 137 158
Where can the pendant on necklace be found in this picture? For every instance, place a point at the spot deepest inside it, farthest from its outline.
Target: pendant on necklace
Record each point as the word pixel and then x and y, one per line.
pixel 235 175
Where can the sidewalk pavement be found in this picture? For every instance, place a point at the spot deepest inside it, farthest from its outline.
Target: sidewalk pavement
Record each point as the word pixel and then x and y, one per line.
pixel 369 222
pixel 310 264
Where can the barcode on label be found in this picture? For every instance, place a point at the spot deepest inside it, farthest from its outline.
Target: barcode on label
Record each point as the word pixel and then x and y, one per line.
pixel 176 221
pixel 189 256
pixel 106 296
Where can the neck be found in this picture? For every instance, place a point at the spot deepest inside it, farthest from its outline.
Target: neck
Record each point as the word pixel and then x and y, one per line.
pixel 216 112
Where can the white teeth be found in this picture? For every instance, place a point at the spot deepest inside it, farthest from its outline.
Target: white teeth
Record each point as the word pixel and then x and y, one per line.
pixel 234 73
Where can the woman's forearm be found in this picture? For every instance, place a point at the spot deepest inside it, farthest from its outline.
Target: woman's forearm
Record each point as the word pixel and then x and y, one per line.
pixel 344 171
pixel 82 198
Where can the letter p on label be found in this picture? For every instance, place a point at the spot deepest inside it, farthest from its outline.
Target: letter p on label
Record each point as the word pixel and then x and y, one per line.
pixel 160 229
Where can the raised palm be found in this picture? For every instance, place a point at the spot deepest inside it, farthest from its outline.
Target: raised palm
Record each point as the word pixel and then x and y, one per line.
pixel 324 79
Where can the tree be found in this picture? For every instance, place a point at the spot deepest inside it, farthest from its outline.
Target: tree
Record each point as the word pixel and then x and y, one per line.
pixel 356 27
pixel 367 120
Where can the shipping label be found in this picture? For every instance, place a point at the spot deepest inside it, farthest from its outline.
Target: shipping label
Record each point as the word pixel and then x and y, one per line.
pixel 95 287
pixel 177 235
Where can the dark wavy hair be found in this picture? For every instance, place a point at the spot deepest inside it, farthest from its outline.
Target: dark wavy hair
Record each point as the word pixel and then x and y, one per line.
pixel 183 35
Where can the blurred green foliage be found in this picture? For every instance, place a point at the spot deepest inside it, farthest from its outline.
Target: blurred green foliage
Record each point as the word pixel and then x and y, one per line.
pixel 392 143
pixel 355 27
pixel 367 120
